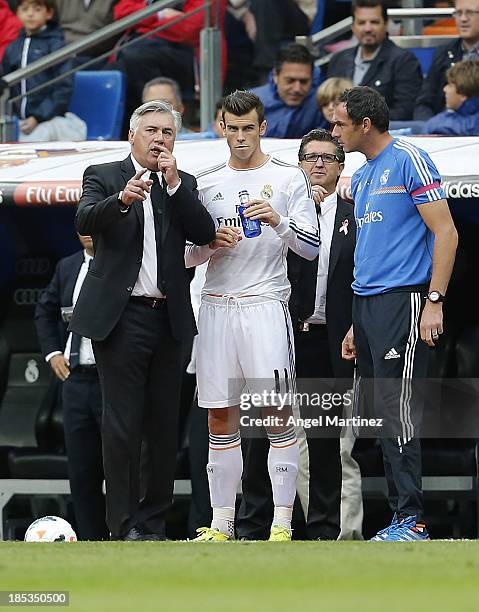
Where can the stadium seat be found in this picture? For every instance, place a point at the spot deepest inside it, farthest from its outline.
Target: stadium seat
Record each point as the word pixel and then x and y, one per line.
pixel 424 56
pixel 99 99
pixel 24 379
pixel 407 128
pixel 47 458
pixel 28 379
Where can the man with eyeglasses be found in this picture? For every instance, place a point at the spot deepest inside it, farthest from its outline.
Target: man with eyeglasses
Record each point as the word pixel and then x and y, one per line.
pixel 321 310
pixel 431 100
pixel 317 355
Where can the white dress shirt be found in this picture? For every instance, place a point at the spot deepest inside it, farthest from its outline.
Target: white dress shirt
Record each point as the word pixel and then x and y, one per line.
pixel 146 284
pixel 86 356
pixel 326 226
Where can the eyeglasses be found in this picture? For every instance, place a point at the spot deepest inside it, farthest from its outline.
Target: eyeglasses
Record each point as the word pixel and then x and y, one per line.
pixel 469 14
pixel 326 158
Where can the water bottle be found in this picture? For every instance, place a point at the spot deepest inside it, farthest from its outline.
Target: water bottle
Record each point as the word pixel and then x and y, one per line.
pixel 251 228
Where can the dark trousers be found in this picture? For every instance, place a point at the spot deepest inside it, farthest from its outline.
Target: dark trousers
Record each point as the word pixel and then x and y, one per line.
pixel 325 474
pixel 82 406
pixel 200 508
pixel 276 20
pixel 255 512
pixel 390 357
pixel 140 367
pixel 256 509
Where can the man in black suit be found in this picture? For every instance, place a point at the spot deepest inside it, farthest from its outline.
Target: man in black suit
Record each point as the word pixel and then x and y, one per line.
pixel 431 100
pixel 321 323
pixel 135 306
pixel 72 361
pixel 378 62
pixel 319 293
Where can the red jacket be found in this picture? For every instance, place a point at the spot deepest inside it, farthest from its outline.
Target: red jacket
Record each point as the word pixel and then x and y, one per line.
pixel 11 27
pixel 186 31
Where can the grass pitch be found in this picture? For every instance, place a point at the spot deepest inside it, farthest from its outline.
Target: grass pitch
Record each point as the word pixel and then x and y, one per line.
pixel 299 576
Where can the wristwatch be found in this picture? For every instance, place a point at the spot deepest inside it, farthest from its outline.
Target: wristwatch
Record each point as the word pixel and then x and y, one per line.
pixel 435 297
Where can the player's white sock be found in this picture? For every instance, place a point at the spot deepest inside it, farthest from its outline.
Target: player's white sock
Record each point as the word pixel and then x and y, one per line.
pixel 283 462
pixel 224 468
pixel 282 516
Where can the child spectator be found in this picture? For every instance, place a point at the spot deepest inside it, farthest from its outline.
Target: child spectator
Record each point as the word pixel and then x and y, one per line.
pixel 462 102
pixel 328 94
pixel 43 115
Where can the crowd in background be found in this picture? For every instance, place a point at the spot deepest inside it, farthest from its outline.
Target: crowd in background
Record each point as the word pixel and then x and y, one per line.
pixel 254 40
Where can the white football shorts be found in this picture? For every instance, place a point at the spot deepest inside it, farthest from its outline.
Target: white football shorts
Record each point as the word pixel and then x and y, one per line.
pixel 245 345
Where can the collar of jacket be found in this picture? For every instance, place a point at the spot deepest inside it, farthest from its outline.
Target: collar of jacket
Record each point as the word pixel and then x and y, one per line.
pixel 469 107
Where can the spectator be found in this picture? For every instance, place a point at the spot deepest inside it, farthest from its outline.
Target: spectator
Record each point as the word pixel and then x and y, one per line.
pixel 80 18
pixel 43 114
pixel 377 62
pixel 169 52
pixel 431 99
pixel 289 97
pixel 462 102
pixel 168 90
pixel 268 23
pixel 11 26
pixel 215 129
pixel 216 126
pixel 328 94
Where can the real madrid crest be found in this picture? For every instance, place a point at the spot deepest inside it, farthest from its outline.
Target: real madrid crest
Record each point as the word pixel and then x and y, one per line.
pixel 267 192
pixel 384 177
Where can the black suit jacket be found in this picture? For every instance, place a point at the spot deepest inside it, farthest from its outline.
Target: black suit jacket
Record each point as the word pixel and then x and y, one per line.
pixel 303 277
pixel 51 329
pixel 118 244
pixel 431 100
pixel 394 72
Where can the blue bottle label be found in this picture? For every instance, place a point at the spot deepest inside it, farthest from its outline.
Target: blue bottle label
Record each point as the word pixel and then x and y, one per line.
pixel 251 228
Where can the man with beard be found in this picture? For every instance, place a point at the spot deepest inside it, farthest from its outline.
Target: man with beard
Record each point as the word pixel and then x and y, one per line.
pixel 377 62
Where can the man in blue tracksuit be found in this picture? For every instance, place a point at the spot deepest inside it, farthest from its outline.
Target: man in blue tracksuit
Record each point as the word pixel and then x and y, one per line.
pixel 405 249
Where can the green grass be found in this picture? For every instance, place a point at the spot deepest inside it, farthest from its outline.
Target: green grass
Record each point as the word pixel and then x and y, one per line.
pixel 300 576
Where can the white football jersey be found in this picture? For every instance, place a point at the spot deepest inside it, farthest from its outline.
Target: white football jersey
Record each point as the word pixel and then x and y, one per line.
pixel 256 266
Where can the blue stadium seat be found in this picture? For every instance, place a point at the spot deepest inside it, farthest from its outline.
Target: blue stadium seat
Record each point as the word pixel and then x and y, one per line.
pixel 424 56
pixel 99 99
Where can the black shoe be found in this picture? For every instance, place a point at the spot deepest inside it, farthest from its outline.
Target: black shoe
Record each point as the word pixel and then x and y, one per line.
pixel 138 535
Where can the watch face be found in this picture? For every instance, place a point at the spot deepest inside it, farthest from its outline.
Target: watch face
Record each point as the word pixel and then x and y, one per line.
pixel 434 296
